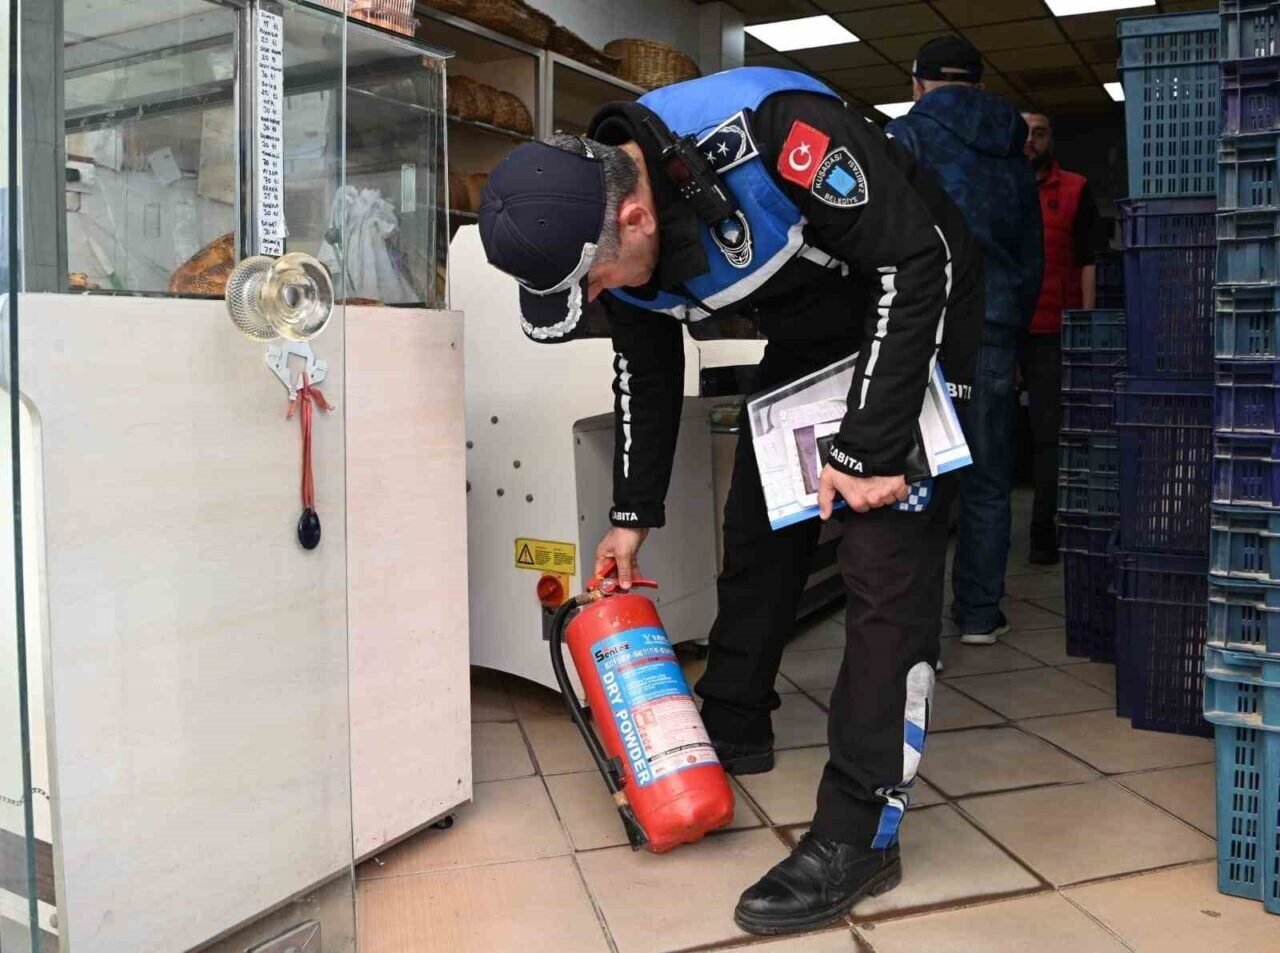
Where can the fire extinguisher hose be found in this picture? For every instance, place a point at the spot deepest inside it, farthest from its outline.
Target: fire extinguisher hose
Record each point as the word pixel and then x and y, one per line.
pixel 609 769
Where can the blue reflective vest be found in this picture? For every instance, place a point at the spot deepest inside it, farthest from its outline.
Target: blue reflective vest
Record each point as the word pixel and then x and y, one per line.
pixel 742 255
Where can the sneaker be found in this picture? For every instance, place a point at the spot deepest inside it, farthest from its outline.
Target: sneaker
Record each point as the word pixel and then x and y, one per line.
pixel 989 636
pixel 818 884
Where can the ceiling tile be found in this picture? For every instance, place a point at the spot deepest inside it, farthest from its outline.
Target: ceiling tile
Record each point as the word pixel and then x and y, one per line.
pixel 1092 95
pixel 901 20
pixel 1008 36
pixel 770 59
pixel 904 48
pixel 1106 72
pixel 1035 81
pixel 965 13
pixel 869 77
pixel 754 47
pixel 1090 26
pixel 847 56
pixel 897 93
pixel 766 11
pixel 1099 51
pixel 843 6
pixel 1038 57
pixel 1182 6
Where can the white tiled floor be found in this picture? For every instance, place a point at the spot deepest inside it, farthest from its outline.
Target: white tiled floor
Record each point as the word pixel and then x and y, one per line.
pixel 1042 824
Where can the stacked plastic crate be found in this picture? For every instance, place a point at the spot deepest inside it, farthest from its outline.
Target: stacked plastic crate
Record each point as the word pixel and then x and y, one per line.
pixel 1242 666
pixel 1093 351
pixel 1164 403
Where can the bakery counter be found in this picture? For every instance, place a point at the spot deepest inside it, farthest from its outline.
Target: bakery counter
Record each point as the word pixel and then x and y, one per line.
pixel 227 713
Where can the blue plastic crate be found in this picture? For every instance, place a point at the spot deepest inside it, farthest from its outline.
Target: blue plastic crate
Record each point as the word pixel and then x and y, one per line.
pixel 1169 67
pixel 1247 322
pixel 1085 454
pixel 1250 97
pixel 1244 615
pixel 1166 458
pixel 1250 29
pixel 1109 281
pixel 1250 261
pixel 1089 411
pixel 1161 621
pixel 1246 396
pixel 1089 534
pixel 1091 494
pixel 1247 171
pixel 1088 586
pixel 1088 331
pixel 1244 543
pixel 1169 257
pixel 1091 370
pixel 1242 683
pixel 1247 772
pixel 1246 470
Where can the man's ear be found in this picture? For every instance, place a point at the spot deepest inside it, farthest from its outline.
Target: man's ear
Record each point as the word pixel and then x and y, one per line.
pixel 917 89
pixel 634 215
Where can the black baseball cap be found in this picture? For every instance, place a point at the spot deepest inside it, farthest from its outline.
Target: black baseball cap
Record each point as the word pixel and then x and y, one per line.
pixel 948 58
pixel 541 216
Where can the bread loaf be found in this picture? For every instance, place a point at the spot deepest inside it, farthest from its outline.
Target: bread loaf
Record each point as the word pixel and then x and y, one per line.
pixel 206 272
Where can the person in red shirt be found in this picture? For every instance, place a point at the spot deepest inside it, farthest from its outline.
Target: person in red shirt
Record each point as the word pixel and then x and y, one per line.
pixel 1070 219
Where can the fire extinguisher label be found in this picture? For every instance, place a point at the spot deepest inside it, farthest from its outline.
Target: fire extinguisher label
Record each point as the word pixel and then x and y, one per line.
pixel 650 705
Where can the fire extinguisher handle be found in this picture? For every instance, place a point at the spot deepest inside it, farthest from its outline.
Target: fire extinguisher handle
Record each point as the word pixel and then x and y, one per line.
pixel 601 579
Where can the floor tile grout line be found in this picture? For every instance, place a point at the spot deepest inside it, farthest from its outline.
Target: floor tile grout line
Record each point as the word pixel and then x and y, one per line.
pixel 950 906
pixel 455 868
pixel 1021 725
pixel 1132 874
pixel 1115 779
pixel 957 798
pixel 1110 932
pixel 595 906
pixel 959 807
pixel 1057 747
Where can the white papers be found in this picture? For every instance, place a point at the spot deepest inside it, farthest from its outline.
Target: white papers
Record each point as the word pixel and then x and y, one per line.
pixel 792 428
pixel 270 138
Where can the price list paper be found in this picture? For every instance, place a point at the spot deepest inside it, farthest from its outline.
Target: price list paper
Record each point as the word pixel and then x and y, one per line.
pixel 270 138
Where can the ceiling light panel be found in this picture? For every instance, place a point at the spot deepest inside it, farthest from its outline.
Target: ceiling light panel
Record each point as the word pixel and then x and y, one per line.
pixel 804 34
pixel 1073 8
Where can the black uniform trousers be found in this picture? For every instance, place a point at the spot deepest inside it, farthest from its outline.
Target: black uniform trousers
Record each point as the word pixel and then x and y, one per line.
pixel 893 564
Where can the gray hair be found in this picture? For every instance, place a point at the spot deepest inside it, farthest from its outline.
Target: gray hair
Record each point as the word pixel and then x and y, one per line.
pixel 621 177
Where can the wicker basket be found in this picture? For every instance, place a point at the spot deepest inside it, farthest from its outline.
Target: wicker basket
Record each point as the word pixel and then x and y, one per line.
pixel 475 189
pixel 650 65
pixel 459 197
pixel 510 113
pixel 509 17
pixel 394 15
pixel 575 47
pixel 468 99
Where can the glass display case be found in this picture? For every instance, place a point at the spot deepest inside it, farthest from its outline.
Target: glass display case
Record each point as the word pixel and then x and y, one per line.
pixel 202 131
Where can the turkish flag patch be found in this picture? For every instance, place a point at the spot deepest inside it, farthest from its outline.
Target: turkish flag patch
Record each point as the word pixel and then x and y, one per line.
pixel 802 153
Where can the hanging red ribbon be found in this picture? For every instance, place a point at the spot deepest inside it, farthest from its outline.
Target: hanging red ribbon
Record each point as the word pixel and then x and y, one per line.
pixel 308 398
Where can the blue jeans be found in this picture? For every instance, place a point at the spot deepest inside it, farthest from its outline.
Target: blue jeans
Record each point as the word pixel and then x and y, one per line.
pixel 982 544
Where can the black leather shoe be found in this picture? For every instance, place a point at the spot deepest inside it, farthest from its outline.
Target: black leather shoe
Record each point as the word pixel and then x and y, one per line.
pixel 818 884
pixel 744 758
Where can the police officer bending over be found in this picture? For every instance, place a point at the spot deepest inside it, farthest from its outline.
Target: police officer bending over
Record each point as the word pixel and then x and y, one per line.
pixel 828 234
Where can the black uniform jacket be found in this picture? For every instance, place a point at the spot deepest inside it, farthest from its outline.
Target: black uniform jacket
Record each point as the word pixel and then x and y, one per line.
pixel 893 278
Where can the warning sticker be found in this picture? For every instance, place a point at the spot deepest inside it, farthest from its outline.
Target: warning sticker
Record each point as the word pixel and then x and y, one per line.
pixel 543 556
pixel 656 719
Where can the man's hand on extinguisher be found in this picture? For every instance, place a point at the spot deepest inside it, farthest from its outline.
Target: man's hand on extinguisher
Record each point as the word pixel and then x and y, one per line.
pixel 861 493
pixel 621 544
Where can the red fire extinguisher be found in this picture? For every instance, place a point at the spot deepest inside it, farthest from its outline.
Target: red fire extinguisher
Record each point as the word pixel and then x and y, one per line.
pixel 652 748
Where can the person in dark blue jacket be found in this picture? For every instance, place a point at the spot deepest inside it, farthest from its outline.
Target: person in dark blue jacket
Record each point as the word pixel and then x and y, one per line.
pixel 973 143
